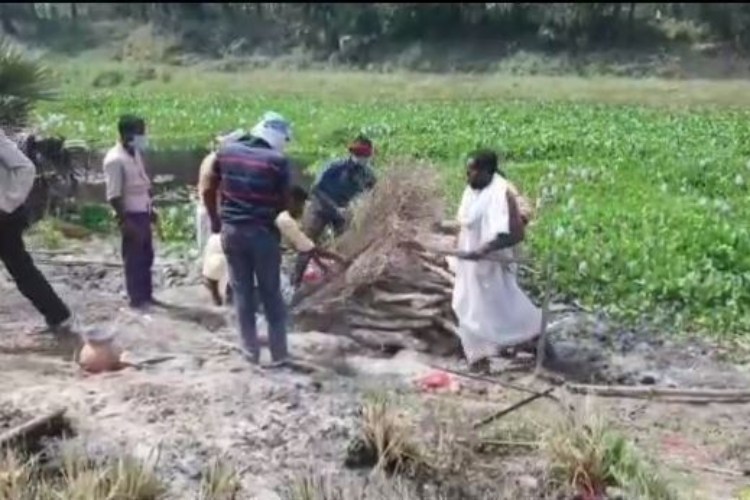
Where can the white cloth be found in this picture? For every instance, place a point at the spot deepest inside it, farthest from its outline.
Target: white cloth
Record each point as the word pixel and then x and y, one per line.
pixel 202 225
pixel 215 262
pixel 17 174
pixel 214 265
pixel 493 312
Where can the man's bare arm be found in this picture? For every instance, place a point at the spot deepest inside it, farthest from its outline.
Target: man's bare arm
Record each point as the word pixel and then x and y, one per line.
pixel 210 196
pixel 503 240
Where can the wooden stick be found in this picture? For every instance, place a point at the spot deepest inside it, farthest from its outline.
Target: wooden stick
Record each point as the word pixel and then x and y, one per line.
pixel 501 383
pixel 541 346
pixel 512 408
pixel 656 392
pixel 52 424
pixel 495 442
pixel 78 262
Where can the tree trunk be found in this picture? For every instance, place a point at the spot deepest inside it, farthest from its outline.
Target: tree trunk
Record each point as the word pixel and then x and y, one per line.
pixel 631 23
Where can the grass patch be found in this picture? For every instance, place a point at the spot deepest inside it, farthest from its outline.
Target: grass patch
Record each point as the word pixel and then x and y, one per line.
pixel 385 441
pixel 74 475
pixel 79 478
pixel 219 482
pixel 587 454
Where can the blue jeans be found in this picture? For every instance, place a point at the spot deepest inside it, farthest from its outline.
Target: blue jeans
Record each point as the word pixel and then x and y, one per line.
pixel 255 252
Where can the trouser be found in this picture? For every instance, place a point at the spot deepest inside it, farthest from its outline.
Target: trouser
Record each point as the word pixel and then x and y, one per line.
pixel 138 256
pixel 254 252
pixel 29 280
pixel 314 223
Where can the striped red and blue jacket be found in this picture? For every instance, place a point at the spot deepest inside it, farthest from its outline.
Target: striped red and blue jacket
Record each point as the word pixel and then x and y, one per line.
pixel 252 182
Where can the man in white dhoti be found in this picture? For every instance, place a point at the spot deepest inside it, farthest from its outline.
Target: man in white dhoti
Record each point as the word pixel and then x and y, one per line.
pixel 492 311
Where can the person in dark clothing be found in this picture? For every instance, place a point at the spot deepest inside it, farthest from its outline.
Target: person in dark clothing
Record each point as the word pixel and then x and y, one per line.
pixel 338 185
pixel 252 176
pixel 17 174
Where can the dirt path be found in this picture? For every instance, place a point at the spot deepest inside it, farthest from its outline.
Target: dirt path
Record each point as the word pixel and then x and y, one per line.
pixel 207 401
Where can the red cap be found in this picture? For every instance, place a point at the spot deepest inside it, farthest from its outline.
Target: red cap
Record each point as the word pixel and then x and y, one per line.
pixel 361 148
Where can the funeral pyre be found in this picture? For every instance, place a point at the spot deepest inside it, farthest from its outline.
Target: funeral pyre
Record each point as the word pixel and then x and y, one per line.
pixel 394 293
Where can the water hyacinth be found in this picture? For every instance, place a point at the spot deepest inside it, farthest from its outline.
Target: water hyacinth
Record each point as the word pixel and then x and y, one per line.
pixel 645 208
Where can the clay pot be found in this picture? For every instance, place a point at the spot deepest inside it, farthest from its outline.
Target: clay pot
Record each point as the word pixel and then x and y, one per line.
pixel 98 357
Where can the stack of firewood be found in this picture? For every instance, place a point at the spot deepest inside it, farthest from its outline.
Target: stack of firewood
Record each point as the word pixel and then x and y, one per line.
pixel 408 305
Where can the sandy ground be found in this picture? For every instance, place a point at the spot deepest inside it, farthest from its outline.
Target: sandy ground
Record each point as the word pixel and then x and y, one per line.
pixel 207 401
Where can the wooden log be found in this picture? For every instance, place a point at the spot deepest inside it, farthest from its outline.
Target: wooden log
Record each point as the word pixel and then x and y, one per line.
pixel 658 392
pixel 387 341
pixel 437 260
pixel 446 324
pixel 440 341
pixel 392 325
pixel 29 433
pixel 444 275
pixel 424 299
pixel 388 312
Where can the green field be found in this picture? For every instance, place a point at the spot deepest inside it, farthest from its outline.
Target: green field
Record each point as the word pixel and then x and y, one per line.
pixel 646 206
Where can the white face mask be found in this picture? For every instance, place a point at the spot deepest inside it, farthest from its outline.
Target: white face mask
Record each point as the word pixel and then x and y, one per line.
pixel 361 160
pixel 140 142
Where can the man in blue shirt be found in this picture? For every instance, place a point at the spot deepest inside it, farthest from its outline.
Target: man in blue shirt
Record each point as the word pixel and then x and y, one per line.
pixel 252 176
pixel 339 183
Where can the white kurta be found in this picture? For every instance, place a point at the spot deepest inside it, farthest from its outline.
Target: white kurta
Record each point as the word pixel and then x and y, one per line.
pixel 493 312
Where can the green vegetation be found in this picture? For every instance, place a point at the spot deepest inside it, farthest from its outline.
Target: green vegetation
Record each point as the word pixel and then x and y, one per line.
pixel 646 207
pixel 588 454
pixel 23 82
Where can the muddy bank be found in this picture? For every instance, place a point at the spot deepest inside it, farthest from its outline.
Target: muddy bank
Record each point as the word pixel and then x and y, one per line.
pixel 206 401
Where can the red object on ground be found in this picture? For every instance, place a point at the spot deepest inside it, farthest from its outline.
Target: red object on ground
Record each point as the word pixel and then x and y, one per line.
pixel 315 273
pixel 312 274
pixel 437 380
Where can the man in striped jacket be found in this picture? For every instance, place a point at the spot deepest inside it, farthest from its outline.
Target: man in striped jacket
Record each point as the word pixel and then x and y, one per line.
pixel 252 176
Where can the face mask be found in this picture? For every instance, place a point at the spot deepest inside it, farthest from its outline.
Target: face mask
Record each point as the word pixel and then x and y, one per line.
pixel 140 142
pixel 361 160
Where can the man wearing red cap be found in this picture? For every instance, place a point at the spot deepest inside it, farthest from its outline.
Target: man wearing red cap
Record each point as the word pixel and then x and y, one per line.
pixel 339 183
